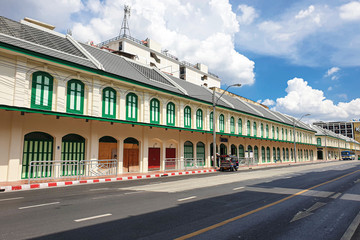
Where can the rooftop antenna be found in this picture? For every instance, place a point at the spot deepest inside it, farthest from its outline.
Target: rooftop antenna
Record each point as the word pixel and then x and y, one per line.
pixel 125 30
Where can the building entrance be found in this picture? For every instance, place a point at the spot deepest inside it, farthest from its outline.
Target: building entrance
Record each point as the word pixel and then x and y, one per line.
pixel 131 155
pixel 154 159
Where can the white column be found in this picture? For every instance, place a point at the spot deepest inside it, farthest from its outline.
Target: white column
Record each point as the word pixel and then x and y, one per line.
pixel 16 147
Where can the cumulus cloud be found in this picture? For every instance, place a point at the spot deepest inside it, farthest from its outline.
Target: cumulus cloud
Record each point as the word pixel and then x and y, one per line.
pixel 247 15
pixel 267 102
pixel 350 11
pixel 315 35
pixel 198 31
pixel 331 71
pixel 302 98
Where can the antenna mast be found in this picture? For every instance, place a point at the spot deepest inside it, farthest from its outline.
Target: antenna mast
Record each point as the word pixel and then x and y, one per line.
pixel 125 30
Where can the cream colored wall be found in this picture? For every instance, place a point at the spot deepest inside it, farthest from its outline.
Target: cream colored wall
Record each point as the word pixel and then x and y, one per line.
pixel 5 140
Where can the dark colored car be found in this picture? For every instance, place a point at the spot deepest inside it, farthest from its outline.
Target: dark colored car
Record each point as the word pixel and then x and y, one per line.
pixel 229 162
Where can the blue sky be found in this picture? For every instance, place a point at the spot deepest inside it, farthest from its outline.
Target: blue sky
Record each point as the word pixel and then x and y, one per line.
pixel 296 57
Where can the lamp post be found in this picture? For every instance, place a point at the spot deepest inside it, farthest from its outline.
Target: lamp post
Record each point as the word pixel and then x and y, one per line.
pixel 214 118
pixel 294 122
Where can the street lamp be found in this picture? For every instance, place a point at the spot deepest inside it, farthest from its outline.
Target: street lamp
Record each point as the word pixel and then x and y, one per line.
pixel 294 122
pixel 214 118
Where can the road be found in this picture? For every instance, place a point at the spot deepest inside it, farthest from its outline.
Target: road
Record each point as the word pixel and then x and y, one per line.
pixel 318 201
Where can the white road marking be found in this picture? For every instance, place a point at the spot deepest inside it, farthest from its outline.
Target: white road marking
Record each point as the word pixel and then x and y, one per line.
pixel 91 218
pixel 238 188
pixel 336 195
pixel 128 193
pixel 40 205
pixel 352 228
pixel 98 189
pixel 8 199
pixel 184 199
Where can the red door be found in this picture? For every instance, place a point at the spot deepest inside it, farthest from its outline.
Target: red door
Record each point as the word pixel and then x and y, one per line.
pixel 154 158
pixel 170 156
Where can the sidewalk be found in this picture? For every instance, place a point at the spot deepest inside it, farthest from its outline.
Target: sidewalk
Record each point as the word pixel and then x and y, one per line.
pixel 49 183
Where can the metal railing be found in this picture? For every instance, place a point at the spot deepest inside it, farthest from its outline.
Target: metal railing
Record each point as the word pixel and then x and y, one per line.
pixel 246 161
pixel 57 169
pixel 119 37
pixel 171 164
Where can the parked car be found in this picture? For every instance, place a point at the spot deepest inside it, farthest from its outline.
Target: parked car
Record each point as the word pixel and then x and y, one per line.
pixel 229 162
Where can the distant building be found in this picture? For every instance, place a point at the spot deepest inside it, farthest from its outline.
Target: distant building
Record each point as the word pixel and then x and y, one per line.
pixel 350 129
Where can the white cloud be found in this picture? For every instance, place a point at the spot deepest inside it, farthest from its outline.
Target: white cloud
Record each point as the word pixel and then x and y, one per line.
pixel 248 14
pixel 330 88
pixel 267 102
pixel 198 31
pixel 305 13
pixel 331 71
pixel 350 11
pixel 302 98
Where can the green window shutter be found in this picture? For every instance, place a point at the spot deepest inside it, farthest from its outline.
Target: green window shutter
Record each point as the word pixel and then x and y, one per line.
pixel 211 121
pixel 286 134
pixel 248 128
pixel 240 126
pixel 262 130
pixel 277 133
pixel 109 103
pixel 221 123
pixel 268 154
pixel 273 132
pixel 170 114
pixel 282 134
pixel 254 129
pixel 274 154
pixel 256 154
pixel 155 111
pixel 187 117
pixel 267 131
pixel 232 125
pixel 42 90
pixel 188 150
pixel 263 154
pixel 200 153
pixel 199 119
pixel 241 151
pixel 75 97
pixel 131 107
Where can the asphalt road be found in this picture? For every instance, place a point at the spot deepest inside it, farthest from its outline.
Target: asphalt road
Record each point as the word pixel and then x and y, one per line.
pixel 317 201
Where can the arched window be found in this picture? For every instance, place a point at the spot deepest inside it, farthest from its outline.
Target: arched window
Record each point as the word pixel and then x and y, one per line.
pixel 187 117
pixel 221 123
pixel 241 151
pixel 267 131
pixel 41 91
pixel 232 125
pixel 282 134
pixel 291 154
pixel 38 146
pixel 290 135
pixel 286 135
pixel 170 114
pixel 109 103
pixel 248 128
pixel 75 97
pixel 155 111
pixel 233 150
pixel 273 132
pixel 239 126
pixel 199 119
pixel 256 154
pixel 278 154
pixel 268 154
pixel 283 154
pixel 200 153
pixel 287 154
pixel 262 130
pixel 318 141
pixel 254 129
pixel 188 150
pixel 263 154
pixel 131 107
pixel 223 149
pixel 249 150
pixel 211 121
pixel 277 133
pixel 274 154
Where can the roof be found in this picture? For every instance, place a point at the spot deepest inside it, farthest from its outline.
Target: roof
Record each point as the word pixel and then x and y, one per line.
pixel 53 44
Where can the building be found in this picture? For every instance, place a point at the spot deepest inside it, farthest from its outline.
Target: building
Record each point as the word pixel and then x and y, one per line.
pixel 344 128
pixel 62 100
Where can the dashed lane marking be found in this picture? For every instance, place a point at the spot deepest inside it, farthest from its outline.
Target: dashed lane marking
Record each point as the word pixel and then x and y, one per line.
pixel 39 205
pixel 8 199
pixel 184 199
pixel 93 217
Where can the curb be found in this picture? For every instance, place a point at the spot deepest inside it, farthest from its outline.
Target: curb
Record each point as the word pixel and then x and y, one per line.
pixel 101 180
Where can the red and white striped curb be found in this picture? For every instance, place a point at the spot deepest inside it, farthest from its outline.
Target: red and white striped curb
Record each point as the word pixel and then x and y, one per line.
pixel 69 183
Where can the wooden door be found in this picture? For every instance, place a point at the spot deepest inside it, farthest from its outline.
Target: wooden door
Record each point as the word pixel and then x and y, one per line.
pixel 154 159
pixel 131 159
